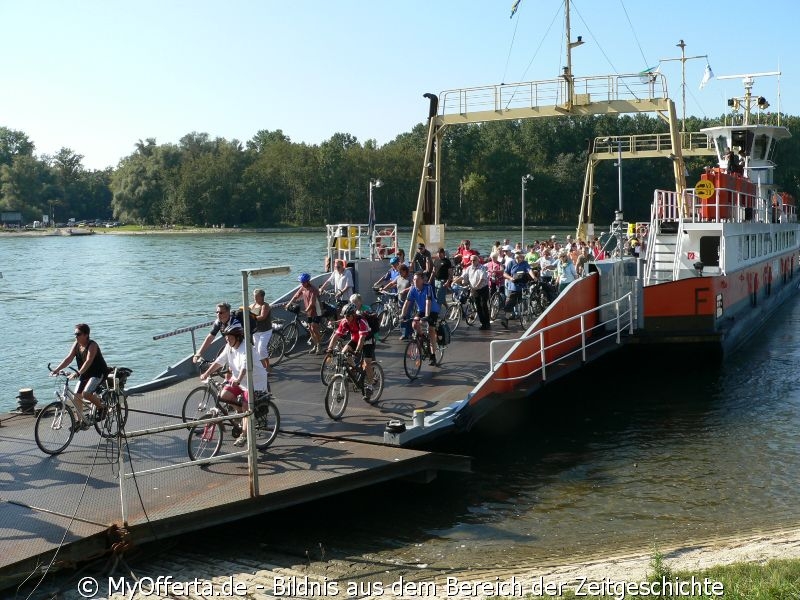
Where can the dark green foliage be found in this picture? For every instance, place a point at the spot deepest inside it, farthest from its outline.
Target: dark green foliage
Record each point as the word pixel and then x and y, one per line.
pixel 271 181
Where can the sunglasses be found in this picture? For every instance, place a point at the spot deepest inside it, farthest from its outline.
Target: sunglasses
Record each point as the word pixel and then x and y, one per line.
pixel 78 333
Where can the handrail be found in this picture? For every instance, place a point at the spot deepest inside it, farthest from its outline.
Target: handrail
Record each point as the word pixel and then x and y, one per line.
pixel 181 330
pixel 620 324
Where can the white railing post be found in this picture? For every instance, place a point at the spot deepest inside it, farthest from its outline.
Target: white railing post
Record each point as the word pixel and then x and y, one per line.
pixel 544 360
pixel 619 331
pixel 583 338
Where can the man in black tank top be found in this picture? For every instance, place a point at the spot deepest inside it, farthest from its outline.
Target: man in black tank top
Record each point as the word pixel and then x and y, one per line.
pixel 92 368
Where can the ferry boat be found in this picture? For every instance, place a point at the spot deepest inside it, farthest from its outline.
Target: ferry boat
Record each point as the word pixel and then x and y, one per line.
pixel 721 257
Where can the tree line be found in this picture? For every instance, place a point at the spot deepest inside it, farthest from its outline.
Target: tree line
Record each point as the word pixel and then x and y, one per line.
pixel 270 181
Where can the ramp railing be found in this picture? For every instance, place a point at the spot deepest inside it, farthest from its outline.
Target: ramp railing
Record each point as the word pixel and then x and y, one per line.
pixel 555 342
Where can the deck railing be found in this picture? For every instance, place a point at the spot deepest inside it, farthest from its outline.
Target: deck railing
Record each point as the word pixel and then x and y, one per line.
pixel 621 319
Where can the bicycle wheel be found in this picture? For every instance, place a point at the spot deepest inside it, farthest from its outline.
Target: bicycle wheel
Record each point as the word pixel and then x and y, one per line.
pixel 377 384
pixel 53 430
pixel 524 308
pixel 116 415
pixel 336 397
pixel 495 302
pixel 267 423
pixel 470 312
pixel 276 348
pixel 205 440
pixel 439 356
pixel 412 359
pixel 326 329
pixel 327 369
pixel 198 402
pixel 290 336
pixel 454 315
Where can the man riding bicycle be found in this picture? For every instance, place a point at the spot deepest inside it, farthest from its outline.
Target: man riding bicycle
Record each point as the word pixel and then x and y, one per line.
pixel 234 356
pixel 361 340
pixel 422 296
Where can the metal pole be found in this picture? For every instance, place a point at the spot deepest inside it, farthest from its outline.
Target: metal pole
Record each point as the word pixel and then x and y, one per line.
pixel 252 458
pixel 619 172
pixel 522 236
pixel 371 238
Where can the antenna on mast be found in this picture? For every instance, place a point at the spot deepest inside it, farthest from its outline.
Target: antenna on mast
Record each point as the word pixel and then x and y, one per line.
pixel 683 59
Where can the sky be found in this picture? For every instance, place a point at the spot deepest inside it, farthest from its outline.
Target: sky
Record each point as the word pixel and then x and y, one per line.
pixel 97 76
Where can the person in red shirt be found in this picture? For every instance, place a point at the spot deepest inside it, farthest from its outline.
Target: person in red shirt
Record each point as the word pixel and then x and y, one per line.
pixel 361 340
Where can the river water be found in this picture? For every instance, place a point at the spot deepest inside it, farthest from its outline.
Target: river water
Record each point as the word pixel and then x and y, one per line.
pixel 641 448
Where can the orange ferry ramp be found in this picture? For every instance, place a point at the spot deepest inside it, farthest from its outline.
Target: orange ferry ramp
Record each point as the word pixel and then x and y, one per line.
pixel 73 507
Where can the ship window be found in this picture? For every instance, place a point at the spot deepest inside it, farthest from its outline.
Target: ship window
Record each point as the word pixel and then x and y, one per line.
pixel 746 247
pixel 753 248
pixel 709 250
pixel 767 243
pixel 760 242
pixel 760 147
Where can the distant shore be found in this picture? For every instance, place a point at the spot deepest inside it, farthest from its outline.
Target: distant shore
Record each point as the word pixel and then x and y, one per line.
pixel 62 231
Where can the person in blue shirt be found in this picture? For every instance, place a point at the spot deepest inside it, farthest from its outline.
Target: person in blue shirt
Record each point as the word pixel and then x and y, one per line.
pixel 391 274
pixel 422 296
pixel 517 275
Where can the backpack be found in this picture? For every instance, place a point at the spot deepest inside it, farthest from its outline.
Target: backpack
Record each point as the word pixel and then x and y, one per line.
pixel 237 315
pixel 374 322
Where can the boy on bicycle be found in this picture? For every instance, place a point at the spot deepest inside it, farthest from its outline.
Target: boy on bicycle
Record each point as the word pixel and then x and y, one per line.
pixel 422 296
pixel 361 340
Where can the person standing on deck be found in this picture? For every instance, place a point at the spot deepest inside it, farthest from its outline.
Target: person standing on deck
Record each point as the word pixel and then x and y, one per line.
pixel 442 275
pixel 92 369
pixel 263 330
pixel 423 261
pixel 309 294
pixel 478 280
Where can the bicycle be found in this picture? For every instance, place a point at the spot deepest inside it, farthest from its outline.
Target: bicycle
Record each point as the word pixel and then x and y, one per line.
pixel 387 307
pixel 348 368
pixel 496 302
pixel 419 349
pixel 462 306
pixel 291 332
pixel 205 439
pixel 55 424
pixel 277 343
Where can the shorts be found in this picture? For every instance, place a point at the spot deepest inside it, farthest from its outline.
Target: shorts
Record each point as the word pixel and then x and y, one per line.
pixel 87 386
pixel 367 350
pixel 236 390
pixel 262 339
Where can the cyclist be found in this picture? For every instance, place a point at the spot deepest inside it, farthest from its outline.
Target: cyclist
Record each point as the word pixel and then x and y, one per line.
pixel 309 293
pixel 361 340
pixel 341 280
pixel 92 368
pixel 392 274
pixel 423 297
pixel 222 321
pixel 234 356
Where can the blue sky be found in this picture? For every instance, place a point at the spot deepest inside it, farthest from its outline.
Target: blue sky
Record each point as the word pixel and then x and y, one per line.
pixel 97 76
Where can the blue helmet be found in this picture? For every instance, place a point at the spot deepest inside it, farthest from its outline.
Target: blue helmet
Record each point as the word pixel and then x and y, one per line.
pixel 304 278
pixel 394 260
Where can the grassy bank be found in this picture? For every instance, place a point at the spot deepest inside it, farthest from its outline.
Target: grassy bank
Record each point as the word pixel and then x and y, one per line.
pixel 774 580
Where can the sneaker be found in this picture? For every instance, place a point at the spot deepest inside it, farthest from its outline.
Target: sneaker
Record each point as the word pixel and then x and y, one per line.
pixel 367 391
pixel 241 440
pixel 404 337
pixel 433 361
pixel 319 350
pixel 314 350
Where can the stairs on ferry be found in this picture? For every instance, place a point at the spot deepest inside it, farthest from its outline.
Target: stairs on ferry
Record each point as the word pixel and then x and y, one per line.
pixel 662 252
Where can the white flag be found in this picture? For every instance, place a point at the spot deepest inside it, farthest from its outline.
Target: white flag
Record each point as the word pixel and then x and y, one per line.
pixel 706 76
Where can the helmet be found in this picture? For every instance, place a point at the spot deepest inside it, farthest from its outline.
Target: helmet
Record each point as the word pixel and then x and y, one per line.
pixel 304 278
pixel 394 260
pixel 233 328
pixel 349 309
